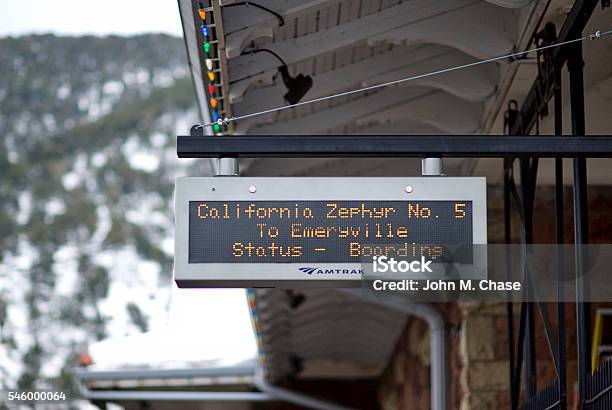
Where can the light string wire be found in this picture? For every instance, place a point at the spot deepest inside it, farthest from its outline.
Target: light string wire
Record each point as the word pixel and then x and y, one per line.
pixel 597 34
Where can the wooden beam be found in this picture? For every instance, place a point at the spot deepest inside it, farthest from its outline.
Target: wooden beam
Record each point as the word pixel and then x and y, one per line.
pixel 320 121
pixel 240 18
pixel 475 84
pixel 418 104
pixel 478 29
pixel 441 110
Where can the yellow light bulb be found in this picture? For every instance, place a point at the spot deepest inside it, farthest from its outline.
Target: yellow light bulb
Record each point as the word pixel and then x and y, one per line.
pixel 211 76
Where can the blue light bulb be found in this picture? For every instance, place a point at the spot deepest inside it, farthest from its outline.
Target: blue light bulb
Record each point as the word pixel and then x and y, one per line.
pixel 204 30
pixel 215 116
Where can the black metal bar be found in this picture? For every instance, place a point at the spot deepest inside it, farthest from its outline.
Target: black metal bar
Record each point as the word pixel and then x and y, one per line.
pixel 457 146
pixel 530 353
pixel 516 379
pixel 560 237
pixel 575 22
pixel 533 177
pixel 509 305
pixel 551 341
pixel 527 239
pixel 581 229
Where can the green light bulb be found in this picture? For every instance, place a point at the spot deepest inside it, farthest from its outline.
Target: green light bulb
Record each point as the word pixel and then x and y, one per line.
pixel 206 47
pixel 216 128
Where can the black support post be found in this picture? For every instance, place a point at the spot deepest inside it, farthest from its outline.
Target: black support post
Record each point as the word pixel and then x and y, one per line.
pixel 573 26
pixel 581 227
pixel 509 305
pixel 527 186
pixel 560 238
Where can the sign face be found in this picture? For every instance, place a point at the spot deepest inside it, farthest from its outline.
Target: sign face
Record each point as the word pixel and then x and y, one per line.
pixel 247 232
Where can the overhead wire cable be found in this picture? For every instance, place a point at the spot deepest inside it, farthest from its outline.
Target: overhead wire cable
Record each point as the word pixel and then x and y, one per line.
pixel 596 35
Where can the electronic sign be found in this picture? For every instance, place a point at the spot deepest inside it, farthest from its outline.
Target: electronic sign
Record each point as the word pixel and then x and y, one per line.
pixel 249 232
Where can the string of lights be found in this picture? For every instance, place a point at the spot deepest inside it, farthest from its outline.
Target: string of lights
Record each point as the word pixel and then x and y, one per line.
pixel 212 59
pixel 256 327
pixel 218 122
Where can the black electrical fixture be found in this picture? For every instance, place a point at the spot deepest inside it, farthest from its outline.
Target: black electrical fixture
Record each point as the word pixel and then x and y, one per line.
pixel 295 298
pixel 297 86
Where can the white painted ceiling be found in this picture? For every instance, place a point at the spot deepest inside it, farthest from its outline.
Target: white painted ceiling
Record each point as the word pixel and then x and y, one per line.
pixel 345 45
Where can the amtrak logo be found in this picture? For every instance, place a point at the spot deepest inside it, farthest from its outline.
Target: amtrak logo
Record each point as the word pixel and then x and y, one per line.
pixel 319 271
